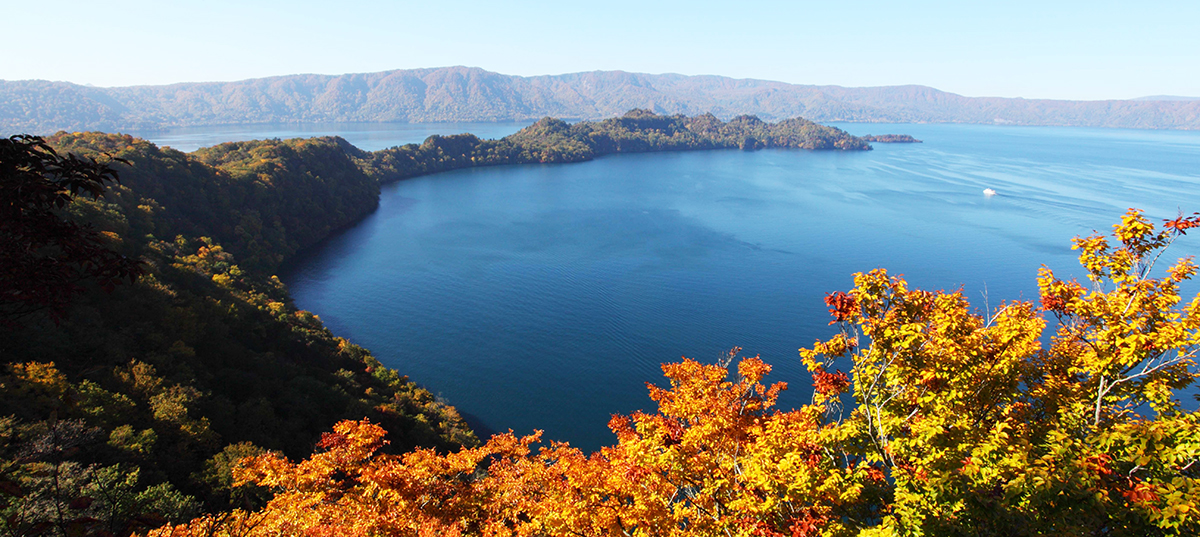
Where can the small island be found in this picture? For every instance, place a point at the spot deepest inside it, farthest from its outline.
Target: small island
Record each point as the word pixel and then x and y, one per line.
pixel 891 139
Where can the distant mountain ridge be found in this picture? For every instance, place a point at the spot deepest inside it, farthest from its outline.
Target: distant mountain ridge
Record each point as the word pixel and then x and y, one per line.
pixel 1167 98
pixel 473 94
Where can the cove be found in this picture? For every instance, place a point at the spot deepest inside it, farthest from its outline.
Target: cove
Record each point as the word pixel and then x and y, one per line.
pixel 546 296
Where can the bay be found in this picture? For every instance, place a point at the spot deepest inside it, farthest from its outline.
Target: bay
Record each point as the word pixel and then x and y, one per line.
pixel 546 296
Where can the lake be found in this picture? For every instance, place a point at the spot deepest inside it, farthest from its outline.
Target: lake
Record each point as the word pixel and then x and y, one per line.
pixel 546 296
pixel 368 136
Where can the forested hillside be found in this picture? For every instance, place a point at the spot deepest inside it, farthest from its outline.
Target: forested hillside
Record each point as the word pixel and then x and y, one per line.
pixel 554 140
pixel 929 416
pixel 472 94
pixel 265 200
pixel 178 388
pixel 127 410
pixel 129 392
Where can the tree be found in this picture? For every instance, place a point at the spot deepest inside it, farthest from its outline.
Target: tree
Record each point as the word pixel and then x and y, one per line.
pixel 45 258
pixel 950 422
pixel 984 431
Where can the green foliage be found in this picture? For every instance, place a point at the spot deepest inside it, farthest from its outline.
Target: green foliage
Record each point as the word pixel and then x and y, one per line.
pixel 46 259
pixel 952 422
pixel 266 200
pixel 163 382
pixel 553 140
pixel 218 476
pixel 51 488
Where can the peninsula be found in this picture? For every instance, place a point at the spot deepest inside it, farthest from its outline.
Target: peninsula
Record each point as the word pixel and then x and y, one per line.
pixel 196 355
pixel 638 131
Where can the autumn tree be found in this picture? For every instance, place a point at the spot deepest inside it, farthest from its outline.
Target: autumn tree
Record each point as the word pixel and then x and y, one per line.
pixel 45 258
pixel 927 418
pixel 982 431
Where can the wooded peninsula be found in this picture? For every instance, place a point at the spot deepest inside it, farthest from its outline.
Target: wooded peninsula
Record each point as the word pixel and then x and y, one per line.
pixel 158 378
pixel 128 395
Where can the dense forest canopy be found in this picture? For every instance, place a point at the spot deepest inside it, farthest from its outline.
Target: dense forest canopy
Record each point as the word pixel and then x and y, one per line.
pixel 157 348
pixel 43 257
pixel 553 140
pixel 131 405
pixel 950 421
pixel 185 392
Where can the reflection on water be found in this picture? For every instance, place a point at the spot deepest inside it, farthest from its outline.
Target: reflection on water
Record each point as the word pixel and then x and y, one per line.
pixel 545 296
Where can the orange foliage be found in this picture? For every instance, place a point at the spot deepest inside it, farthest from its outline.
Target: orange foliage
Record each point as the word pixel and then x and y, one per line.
pixel 715 458
pixel 961 425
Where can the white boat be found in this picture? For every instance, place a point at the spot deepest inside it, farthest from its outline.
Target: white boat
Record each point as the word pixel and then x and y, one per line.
pixel 989 192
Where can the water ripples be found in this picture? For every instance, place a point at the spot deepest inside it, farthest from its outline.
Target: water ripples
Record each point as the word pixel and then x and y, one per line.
pixel 546 296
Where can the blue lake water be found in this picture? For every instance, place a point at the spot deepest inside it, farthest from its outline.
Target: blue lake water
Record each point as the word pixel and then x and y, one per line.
pixel 546 296
pixel 368 136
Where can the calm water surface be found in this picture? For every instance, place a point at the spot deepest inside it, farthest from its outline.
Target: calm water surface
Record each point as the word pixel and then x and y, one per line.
pixel 368 136
pixel 546 296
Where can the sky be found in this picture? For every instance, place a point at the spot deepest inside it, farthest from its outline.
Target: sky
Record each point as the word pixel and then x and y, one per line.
pixel 1046 49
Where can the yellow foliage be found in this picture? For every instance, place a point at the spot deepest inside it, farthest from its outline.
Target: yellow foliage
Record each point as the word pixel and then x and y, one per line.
pixel 948 423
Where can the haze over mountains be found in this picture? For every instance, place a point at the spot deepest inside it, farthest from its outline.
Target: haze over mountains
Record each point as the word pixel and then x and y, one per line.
pixel 473 94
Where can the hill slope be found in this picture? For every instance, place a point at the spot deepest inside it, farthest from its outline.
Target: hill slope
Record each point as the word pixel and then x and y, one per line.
pixel 472 94
pixel 140 398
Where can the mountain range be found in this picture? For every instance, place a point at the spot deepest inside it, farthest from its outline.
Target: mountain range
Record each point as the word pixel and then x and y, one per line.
pixel 473 94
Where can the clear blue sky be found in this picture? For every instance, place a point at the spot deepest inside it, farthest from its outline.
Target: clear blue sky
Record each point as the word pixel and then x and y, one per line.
pixel 1045 49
